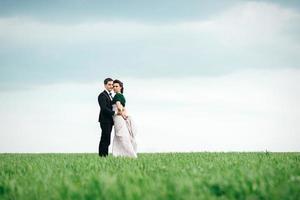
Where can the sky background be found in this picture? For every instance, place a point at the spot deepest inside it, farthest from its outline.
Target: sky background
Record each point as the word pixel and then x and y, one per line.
pixel 198 75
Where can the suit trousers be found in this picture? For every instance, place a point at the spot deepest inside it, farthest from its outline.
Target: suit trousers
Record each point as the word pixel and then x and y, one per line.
pixel 105 138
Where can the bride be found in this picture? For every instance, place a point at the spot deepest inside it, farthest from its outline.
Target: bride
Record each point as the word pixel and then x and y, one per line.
pixel 124 143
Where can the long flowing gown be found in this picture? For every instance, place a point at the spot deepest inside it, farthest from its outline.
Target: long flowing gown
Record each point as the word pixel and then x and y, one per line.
pixel 124 142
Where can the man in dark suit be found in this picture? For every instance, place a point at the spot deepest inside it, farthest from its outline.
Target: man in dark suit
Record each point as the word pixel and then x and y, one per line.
pixel 106 116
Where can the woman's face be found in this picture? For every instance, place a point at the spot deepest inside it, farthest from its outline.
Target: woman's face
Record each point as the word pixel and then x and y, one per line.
pixel 117 88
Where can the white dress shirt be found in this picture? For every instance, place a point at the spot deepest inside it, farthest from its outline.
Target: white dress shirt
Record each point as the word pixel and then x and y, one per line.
pixel 112 94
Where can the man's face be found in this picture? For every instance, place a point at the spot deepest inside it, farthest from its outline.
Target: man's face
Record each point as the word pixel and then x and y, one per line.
pixel 109 85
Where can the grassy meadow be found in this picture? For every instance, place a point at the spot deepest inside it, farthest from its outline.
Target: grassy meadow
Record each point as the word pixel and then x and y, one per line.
pixel 155 176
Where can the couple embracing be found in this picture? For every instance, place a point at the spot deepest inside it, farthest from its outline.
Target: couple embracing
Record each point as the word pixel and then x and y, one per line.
pixel 113 113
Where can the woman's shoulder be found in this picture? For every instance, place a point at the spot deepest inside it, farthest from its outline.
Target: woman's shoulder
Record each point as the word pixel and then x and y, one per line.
pixel 119 96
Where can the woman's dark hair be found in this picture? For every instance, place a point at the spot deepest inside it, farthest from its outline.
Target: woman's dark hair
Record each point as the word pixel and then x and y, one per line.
pixel 120 83
pixel 107 80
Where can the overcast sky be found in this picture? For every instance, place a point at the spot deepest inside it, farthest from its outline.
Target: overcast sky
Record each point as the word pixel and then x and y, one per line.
pixel 198 75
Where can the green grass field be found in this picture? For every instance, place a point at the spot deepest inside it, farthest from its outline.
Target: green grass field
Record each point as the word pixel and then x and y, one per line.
pixel 152 176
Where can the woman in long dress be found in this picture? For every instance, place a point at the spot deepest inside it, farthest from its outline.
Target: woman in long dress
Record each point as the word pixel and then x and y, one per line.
pixel 124 143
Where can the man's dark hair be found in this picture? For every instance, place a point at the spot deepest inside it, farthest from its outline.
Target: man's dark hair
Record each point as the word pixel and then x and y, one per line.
pixel 107 80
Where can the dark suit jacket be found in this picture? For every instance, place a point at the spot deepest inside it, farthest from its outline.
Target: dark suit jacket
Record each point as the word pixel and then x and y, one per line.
pixel 106 111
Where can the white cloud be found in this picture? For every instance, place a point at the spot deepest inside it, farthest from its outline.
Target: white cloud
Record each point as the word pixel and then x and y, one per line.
pixel 248 35
pixel 30 31
pixel 247 23
pixel 247 111
pixel 253 23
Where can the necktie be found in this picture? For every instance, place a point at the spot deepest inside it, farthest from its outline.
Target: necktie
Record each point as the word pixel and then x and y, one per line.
pixel 110 95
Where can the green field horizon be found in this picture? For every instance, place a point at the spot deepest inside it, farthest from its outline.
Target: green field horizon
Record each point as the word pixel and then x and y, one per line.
pixel 193 175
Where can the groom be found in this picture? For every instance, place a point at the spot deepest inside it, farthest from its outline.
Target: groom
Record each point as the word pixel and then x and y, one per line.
pixel 106 116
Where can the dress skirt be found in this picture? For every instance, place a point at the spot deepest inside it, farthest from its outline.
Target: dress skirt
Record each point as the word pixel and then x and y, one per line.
pixel 124 142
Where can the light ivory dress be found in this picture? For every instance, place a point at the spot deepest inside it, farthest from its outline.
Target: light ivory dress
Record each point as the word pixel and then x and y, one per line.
pixel 124 142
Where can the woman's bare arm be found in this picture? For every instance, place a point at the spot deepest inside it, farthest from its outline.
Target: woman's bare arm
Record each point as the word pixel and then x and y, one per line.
pixel 121 109
pixel 119 106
